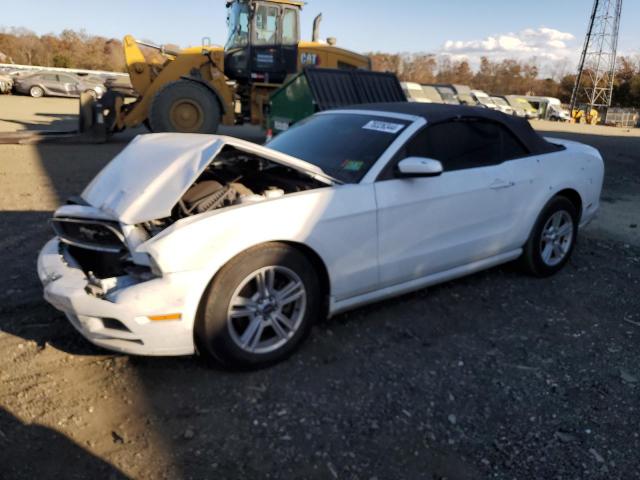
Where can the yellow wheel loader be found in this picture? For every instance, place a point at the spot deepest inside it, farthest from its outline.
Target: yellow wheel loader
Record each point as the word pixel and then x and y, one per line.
pixel 197 89
pixel 586 114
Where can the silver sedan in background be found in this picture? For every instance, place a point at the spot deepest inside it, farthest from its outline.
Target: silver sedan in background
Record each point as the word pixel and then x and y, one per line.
pixel 57 85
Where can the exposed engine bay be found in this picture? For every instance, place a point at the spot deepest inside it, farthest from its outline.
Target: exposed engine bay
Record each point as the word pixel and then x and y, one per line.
pixel 233 178
pixel 236 178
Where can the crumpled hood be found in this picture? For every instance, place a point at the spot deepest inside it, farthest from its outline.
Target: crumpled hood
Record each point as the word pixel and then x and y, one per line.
pixel 151 174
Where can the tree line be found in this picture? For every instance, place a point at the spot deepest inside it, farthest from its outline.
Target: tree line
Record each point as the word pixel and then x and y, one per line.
pixel 71 49
pixel 507 76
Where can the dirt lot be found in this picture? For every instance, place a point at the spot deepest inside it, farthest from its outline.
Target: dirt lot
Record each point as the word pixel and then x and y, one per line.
pixel 493 376
pixel 26 113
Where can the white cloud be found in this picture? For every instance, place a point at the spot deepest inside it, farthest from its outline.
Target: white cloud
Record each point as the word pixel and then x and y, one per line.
pixel 542 42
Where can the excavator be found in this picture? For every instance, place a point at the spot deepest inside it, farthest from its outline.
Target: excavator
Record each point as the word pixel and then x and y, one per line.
pixel 196 90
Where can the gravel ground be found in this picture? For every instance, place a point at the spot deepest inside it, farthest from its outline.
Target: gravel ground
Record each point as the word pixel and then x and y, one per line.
pixel 497 375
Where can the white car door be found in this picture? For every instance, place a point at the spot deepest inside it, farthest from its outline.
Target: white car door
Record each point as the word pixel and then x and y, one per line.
pixel 431 224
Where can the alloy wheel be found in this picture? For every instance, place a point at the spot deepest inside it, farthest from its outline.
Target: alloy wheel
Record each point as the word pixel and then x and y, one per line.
pixel 266 309
pixel 556 238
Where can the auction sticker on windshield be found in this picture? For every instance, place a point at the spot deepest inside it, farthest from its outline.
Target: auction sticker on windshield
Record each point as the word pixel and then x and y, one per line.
pixel 352 165
pixel 385 127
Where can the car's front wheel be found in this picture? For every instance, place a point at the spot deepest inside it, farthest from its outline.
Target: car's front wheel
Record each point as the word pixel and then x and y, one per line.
pixel 552 239
pixel 259 307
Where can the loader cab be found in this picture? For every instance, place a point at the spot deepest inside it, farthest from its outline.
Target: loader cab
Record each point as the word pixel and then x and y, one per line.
pixel 263 40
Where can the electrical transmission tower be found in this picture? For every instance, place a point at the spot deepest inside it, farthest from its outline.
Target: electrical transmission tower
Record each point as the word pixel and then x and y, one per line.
pixel 596 71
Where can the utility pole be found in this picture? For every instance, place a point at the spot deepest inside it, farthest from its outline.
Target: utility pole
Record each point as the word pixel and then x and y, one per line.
pixel 596 70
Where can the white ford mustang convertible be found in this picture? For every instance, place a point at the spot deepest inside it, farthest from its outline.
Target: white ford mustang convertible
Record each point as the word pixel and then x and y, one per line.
pixel 201 243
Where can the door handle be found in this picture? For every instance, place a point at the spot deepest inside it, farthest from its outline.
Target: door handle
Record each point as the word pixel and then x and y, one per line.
pixel 499 184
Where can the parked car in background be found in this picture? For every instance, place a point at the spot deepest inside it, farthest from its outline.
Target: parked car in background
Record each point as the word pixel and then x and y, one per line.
pixel 503 105
pixel 448 94
pixel 549 108
pixel 20 73
pixel 484 99
pixel 522 107
pixel 414 92
pixel 462 93
pixel 432 94
pixel 57 84
pixel 556 112
pixel 518 109
pixel 121 84
pixel 6 83
pixel 178 245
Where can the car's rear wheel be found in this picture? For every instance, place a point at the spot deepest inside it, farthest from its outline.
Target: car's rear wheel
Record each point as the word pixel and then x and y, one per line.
pixel 36 91
pixel 552 239
pixel 259 307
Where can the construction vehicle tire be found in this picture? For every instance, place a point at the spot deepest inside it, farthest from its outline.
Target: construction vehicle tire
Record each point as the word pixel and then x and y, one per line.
pixel 185 106
pixel 110 103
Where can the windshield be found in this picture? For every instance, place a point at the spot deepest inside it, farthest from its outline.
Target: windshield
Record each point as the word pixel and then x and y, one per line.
pixel 485 100
pixel 344 146
pixel 522 103
pixel 266 23
pixel 500 101
pixel 238 24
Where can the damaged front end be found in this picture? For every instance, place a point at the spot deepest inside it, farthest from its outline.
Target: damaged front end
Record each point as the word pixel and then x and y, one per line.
pixel 159 180
pixel 102 249
pixel 99 269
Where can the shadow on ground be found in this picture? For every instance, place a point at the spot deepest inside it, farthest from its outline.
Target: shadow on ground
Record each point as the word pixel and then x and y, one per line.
pixel 34 451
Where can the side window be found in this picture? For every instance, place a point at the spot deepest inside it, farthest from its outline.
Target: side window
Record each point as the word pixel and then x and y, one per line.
pixel 66 79
pixel 290 27
pixel 48 77
pixel 466 144
pixel 266 25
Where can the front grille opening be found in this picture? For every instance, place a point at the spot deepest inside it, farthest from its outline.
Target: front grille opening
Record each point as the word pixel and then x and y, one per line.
pixel 101 264
pixel 113 324
pixel 98 235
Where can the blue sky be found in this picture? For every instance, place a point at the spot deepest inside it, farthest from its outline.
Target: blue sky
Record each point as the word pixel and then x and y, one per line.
pixel 552 29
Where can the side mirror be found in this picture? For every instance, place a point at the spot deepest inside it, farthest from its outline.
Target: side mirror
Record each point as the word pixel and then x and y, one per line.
pixel 419 167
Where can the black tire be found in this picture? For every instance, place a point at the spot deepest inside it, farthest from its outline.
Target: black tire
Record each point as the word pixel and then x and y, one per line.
pixel 185 106
pixel 213 333
pixel 36 91
pixel 532 259
pixel 108 102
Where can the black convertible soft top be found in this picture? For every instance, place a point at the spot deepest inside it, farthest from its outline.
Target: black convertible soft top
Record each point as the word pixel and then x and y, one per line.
pixel 438 112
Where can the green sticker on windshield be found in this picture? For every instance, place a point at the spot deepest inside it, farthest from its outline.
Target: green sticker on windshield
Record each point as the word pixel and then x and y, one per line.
pixel 352 165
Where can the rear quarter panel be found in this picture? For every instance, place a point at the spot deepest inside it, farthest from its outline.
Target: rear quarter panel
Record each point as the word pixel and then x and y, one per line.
pixel 578 167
